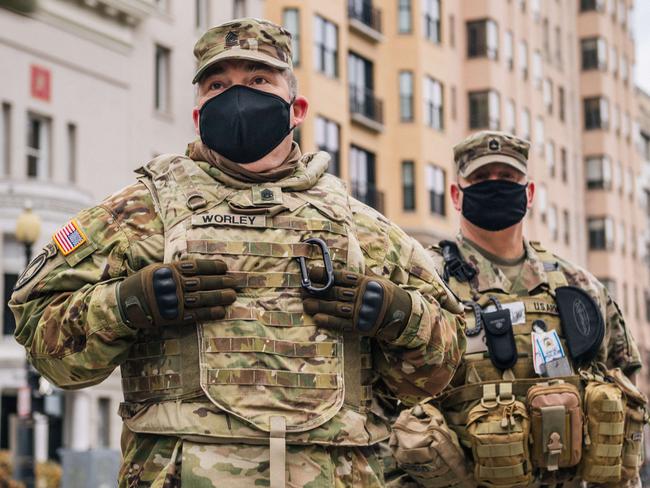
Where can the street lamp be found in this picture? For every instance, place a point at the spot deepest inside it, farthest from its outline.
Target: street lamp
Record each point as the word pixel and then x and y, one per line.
pixel 28 228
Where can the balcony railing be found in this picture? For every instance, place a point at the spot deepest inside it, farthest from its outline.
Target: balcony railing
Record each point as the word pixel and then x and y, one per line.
pixel 364 12
pixel 369 194
pixel 364 102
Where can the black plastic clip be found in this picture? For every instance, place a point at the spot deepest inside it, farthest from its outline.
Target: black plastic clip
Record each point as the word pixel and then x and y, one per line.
pixel 305 282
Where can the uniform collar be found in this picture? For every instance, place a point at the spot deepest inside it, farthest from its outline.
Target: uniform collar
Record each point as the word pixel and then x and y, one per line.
pixel 489 276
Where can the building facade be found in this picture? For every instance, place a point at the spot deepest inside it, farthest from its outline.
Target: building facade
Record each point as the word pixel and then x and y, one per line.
pixel 91 89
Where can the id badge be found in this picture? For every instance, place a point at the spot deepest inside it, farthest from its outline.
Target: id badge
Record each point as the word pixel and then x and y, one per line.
pixel 546 348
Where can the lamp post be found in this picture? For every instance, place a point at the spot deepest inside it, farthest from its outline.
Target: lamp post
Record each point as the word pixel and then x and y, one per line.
pixel 28 228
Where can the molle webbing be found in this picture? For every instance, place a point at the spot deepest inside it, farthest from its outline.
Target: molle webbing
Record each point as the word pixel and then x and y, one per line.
pixel 271 377
pixel 265 249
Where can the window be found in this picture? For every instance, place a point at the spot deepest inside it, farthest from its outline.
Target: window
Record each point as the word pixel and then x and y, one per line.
pixel 484 110
pixel 594 53
pixel 201 14
pixel 103 426
pixel 611 8
pixel 406 96
pixel 408 185
pixel 433 103
pixel 525 124
pixel 558 47
pixel 567 227
pixel 550 158
pixel 546 41
pixel 291 22
pixel 601 233
pixel 587 5
pixel 510 124
pixel 616 119
pixel 539 135
pixel 552 222
pixel 326 47
pixel 431 19
pixel 622 11
pixel 629 185
pixel 239 9
pixel 618 177
pixel 523 59
pixel 625 125
pixel 542 202
pixel 453 105
pixel 8 321
pixel 564 165
pixel 613 57
pixel 623 68
pixel 362 97
pixel 547 91
pixel 452 30
pixel 482 39
pixel 610 285
pixel 72 153
pixel 404 16
pixel 622 237
pixel 508 50
pixel 596 113
pixel 436 186
pixel 535 9
pixel 538 71
pixel 362 176
pixel 561 104
pixel 162 89
pixel 38 146
pixel 5 139
pixel 599 173
pixel 328 139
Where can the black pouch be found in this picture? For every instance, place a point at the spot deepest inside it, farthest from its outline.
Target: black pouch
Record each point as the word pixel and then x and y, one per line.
pixel 582 323
pixel 500 337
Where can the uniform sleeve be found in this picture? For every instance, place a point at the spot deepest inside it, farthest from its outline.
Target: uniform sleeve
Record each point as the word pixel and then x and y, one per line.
pixel 622 350
pixel 67 316
pixel 423 359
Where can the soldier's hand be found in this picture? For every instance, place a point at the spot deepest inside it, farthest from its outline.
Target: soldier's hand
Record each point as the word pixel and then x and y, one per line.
pixel 368 305
pixel 183 292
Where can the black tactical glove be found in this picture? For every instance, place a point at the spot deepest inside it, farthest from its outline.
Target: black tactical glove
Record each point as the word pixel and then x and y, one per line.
pixel 183 292
pixel 369 305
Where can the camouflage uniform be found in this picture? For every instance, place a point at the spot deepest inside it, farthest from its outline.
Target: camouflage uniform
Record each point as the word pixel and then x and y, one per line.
pixel 206 425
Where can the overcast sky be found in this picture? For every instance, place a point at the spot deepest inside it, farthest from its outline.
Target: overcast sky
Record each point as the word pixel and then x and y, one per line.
pixel 642 36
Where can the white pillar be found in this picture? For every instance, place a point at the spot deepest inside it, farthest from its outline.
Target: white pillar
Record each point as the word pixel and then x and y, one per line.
pixel 81 421
pixel 41 437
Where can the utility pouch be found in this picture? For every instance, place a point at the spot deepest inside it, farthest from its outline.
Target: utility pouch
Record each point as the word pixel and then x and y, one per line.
pixel 498 429
pixel 500 338
pixel 636 417
pixel 556 425
pixel 604 429
pixel 428 450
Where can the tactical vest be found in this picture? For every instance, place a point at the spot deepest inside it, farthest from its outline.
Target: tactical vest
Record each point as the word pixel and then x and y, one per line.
pixel 265 366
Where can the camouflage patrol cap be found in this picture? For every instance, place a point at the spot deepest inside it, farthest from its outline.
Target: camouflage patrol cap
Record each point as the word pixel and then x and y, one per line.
pixel 248 38
pixel 487 147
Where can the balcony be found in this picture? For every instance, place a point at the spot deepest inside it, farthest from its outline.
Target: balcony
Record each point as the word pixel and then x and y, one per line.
pixel 366 109
pixel 368 193
pixel 365 19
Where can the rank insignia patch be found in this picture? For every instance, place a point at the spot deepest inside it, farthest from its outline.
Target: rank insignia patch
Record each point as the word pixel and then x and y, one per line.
pixel 69 238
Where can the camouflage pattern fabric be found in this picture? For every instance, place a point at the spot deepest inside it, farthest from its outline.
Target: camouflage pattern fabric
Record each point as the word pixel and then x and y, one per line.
pixel 248 38
pixel 619 347
pixel 490 146
pixel 68 320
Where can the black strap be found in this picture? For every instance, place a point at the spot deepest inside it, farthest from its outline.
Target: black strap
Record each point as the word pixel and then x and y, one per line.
pixel 454 264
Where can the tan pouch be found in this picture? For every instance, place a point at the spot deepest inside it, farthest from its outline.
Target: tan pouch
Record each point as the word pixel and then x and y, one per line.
pixel 556 425
pixel 635 420
pixel 498 431
pixel 425 447
pixel 604 429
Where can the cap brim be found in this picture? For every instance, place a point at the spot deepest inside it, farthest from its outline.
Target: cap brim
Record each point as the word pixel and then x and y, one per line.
pixel 492 158
pixel 236 53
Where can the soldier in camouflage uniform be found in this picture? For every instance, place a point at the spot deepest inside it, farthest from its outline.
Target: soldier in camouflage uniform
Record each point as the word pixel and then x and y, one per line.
pixel 491 258
pixel 190 280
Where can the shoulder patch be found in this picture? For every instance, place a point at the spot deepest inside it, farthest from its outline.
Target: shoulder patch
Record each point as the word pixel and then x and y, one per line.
pixel 35 266
pixel 69 238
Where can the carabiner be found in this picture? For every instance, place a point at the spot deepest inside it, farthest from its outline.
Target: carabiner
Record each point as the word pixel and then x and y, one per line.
pixel 305 282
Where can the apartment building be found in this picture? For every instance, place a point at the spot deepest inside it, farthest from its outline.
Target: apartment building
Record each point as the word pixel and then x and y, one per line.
pixel 90 91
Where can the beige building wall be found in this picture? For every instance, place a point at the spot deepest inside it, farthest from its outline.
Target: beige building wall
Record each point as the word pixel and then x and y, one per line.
pixel 531 58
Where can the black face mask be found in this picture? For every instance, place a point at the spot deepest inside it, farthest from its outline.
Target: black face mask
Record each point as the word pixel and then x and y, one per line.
pixel 244 124
pixel 494 204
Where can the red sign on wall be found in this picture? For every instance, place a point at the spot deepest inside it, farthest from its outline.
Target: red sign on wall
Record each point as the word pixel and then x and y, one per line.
pixel 40 81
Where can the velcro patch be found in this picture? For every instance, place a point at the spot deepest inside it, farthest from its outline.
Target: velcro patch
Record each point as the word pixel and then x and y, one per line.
pixel 69 238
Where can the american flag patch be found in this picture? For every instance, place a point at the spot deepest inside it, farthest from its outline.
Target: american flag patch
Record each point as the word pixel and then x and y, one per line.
pixel 69 238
